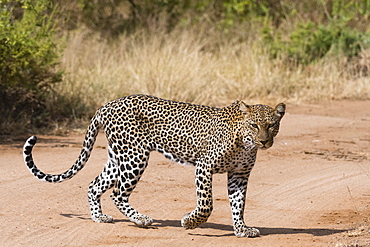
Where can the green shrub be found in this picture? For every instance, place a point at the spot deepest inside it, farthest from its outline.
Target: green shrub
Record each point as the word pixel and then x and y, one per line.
pixel 29 55
pixel 330 35
pixel 310 42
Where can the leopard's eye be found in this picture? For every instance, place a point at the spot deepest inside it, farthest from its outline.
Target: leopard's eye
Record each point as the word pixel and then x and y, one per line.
pixel 272 125
pixel 255 126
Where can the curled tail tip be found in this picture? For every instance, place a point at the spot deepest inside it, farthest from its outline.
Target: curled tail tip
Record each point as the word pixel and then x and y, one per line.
pixel 32 140
pixel 27 154
pixel 27 148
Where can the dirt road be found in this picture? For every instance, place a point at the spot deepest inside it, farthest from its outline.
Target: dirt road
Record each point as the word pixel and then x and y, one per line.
pixel 312 188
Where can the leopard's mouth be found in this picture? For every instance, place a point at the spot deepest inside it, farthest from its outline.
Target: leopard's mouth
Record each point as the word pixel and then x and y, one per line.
pixel 263 147
pixel 264 144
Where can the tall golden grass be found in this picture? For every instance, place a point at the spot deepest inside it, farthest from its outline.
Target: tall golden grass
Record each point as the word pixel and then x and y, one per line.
pixel 197 65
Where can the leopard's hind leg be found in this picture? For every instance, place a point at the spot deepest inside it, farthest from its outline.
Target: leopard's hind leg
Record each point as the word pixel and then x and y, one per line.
pixel 131 167
pixel 101 184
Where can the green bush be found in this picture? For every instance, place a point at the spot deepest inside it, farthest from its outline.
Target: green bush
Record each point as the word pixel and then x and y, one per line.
pixel 29 55
pixel 330 35
pixel 310 42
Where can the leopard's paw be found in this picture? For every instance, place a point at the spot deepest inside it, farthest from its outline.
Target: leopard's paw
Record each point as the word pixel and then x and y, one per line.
pixel 104 218
pixel 249 232
pixel 141 220
pixel 189 222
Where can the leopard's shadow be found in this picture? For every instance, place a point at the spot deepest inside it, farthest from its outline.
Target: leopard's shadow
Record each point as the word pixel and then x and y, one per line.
pixel 264 230
pixel 177 223
pixel 78 216
pixel 157 223
pixel 228 228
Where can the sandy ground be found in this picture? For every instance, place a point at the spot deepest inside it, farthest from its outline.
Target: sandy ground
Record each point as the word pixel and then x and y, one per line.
pixel 312 188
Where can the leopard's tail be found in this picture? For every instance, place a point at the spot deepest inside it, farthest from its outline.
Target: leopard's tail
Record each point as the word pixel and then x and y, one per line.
pixel 87 147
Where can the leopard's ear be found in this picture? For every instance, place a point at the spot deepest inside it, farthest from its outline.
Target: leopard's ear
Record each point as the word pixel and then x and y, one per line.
pixel 280 110
pixel 246 109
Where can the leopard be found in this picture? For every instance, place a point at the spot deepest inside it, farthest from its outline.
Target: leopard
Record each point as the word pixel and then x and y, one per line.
pixel 212 139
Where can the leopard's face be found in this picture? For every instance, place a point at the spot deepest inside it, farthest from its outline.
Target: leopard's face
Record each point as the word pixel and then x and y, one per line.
pixel 262 124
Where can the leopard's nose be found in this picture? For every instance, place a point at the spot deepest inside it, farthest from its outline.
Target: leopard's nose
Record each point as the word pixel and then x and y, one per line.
pixel 264 142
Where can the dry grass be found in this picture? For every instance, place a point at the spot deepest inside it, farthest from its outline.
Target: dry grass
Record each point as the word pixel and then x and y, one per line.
pixel 201 66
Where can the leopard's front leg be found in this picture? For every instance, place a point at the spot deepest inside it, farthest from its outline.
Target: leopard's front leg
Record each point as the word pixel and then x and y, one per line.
pixel 237 187
pixel 203 181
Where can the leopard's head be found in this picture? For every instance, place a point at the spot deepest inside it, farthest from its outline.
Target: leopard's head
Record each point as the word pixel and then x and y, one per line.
pixel 261 123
